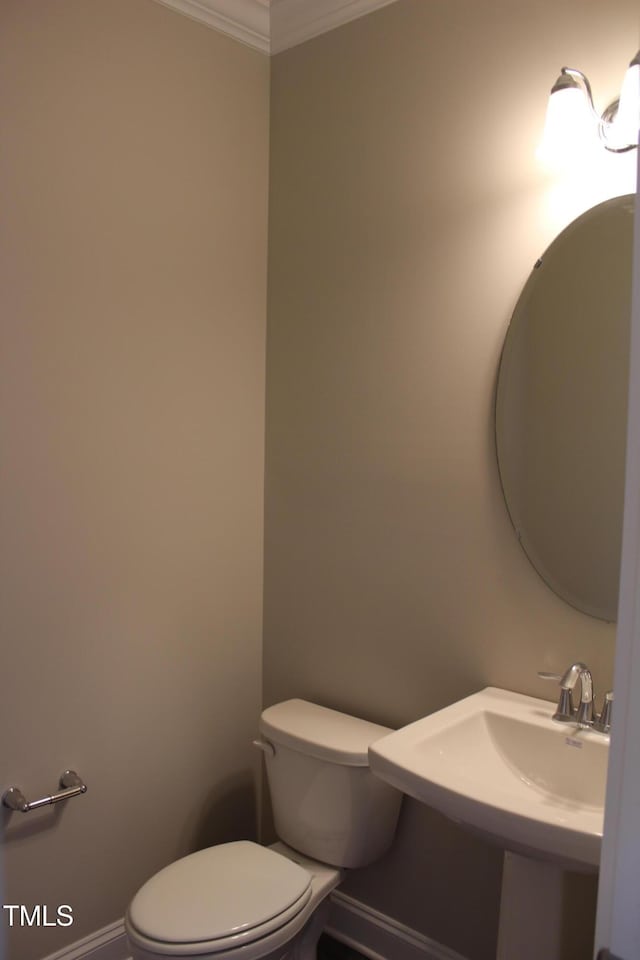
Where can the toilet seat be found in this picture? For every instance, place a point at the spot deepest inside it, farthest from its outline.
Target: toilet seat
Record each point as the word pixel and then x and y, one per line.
pixel 217 900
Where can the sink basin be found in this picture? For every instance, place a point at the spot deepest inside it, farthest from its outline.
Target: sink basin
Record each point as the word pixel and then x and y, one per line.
pixel 496 762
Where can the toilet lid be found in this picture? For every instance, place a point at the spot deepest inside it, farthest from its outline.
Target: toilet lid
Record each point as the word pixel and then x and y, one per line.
pixel 225 891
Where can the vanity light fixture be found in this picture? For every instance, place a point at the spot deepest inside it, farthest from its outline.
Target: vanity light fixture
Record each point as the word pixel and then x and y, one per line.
pixel 571 113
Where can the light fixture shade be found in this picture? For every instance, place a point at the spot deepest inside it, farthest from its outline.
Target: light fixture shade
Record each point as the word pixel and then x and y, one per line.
pixel 569 128
pixel 627 122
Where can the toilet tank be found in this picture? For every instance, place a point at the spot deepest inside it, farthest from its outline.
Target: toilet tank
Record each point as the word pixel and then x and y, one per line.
pixel 326 802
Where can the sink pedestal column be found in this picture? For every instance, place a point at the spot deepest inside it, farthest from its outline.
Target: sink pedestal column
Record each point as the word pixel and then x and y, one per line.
pixel 530 910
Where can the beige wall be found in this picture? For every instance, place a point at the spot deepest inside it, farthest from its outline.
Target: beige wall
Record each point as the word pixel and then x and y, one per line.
pixel 407 209
pixel 134 170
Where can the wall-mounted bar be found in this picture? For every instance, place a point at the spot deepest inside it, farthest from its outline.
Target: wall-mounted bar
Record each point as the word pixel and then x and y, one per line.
pixel 71 786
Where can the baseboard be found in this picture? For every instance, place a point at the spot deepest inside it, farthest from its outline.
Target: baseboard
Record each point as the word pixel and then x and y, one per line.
pixel 355 924
pixel 378 936
pixel 109 943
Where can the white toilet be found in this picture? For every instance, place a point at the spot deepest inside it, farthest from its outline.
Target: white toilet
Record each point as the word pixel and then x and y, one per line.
pixel 241 901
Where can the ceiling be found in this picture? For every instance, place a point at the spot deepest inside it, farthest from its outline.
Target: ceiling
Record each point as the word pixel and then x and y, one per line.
pixel 274 25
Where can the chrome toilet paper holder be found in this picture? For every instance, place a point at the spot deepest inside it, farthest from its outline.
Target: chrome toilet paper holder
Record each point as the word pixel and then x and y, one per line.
pixel 71 786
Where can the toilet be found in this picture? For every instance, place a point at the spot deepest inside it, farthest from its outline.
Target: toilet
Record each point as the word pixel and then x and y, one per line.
pixel 243 901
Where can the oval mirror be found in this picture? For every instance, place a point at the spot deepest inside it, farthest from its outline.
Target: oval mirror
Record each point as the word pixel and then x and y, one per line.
pixel 561 407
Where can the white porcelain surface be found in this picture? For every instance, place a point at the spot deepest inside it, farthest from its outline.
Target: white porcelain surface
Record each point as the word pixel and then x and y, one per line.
pixel 236 890
pixel 242 901
pixel 498 763
pixel 326 803
pixel 320 732
pixel 296 937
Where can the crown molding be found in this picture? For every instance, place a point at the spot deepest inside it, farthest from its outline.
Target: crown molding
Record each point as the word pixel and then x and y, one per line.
pixel 244 20
pixel 294 21
pixel 274 25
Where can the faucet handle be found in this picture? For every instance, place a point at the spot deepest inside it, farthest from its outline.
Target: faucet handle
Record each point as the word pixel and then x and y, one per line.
pixel 603 723
pixel 549 676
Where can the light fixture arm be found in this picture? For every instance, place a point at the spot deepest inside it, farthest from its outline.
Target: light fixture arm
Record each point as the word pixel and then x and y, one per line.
pixel 584 80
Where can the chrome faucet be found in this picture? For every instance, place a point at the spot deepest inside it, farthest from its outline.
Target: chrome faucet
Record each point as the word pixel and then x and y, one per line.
pixel 583 715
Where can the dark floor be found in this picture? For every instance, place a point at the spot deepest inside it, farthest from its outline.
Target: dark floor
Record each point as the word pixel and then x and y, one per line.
pixel 329 949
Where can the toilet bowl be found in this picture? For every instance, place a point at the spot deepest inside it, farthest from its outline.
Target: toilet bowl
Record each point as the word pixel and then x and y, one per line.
pixel 243 901
pixel 257 927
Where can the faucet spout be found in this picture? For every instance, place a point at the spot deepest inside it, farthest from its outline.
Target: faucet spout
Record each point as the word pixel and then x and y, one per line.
pixel 571 676
pixel 580 672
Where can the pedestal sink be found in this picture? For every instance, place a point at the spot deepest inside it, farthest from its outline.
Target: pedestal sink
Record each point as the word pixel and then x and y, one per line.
pixel 497 763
